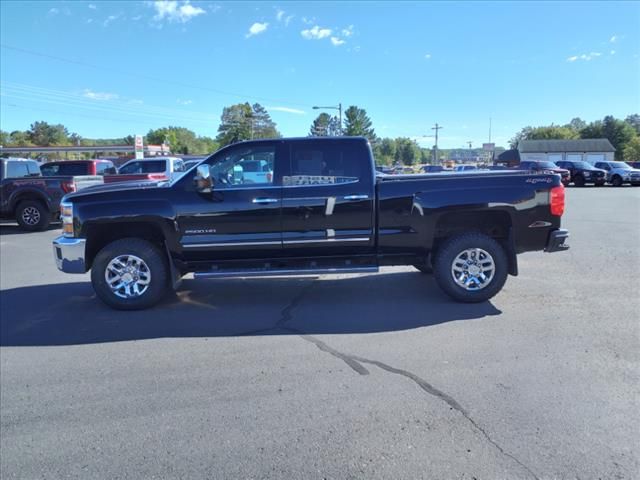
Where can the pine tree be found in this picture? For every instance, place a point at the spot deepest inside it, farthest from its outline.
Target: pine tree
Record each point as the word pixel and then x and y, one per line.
pixel 325 126
pixel 358 123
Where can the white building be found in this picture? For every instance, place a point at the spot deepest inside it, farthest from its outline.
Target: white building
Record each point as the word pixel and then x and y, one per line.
pixel 590 150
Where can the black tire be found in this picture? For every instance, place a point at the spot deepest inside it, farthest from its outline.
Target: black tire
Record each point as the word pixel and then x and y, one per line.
pixel 578 181
pixel 33 216
pixel 424 268
pixel 157 267
pixel 454 246
pixel 616 181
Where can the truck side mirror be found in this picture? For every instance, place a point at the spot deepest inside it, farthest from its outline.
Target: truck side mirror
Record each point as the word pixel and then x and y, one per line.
pixel 203 179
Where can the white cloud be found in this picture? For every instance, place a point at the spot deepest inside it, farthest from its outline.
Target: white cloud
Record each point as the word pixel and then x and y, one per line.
pixel 102 96
pixel 315 33
pixel 288 19
pixel 92 6
pixel 90 20
pixel 337 41
pixel 136 18
pixel 109 19
pixel 308 21
pixel 427 56
pixel 585 56
pixel 173 11
pixel 184 102
pixel 287 110
pixel 54 11
pixel 612 52
pixel 613 39
pixel 347 32
pixel 256 29
pixel 280 15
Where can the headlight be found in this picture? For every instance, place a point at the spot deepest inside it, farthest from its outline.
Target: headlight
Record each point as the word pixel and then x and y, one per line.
pixel 587 174
pixel 66 215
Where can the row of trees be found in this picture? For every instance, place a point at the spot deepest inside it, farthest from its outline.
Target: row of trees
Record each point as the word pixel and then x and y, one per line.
pixel 624 135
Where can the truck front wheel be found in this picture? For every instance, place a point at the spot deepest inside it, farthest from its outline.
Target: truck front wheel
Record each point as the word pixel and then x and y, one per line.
pixel 32 216
pixel 471 267
pixel 130 274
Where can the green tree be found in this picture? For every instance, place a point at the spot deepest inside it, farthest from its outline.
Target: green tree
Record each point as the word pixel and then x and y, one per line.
pixel 634 121
pixel 4 138
pixel 20 139
pixel 631 152
pixel 551 132
pixel 576 124
pixel 358 123
pixel 618 132
pixel 181 140
pixel 262 124
pixel 325 125
pixel 407 151
pixel 245 122
pixel 44 135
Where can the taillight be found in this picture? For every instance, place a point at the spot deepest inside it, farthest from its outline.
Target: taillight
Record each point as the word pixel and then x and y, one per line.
pixel 68 186
pixel 269 177
pixel 556 198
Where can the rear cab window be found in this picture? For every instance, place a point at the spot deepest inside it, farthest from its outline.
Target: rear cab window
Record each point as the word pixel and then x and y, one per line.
pixel 328 163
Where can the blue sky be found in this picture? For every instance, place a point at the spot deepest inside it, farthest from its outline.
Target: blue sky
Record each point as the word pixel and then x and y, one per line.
pixel 110 69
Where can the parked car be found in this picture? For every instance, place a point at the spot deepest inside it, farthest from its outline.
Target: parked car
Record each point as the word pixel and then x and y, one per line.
pixel 619 173
pixel 583 173
pixel 497 167
pixel 432 169
pixel 254 170
pixel 634 164
pixel 384 170
pixel 465 168
pixel 546 167
pixel 78 167
pixel 323 211
pixel 31 199
pixel 158 168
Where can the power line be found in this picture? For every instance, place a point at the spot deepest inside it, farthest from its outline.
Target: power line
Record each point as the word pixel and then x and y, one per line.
pixel 145 77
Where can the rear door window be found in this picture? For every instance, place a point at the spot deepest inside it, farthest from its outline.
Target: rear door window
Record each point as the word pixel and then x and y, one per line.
pixel 17 169
pixel 327 163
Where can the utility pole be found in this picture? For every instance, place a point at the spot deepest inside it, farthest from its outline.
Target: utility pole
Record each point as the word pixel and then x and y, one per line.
pixel 436 128
pixel 469 143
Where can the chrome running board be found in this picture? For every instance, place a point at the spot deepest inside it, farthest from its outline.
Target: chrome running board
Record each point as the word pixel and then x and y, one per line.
pixel 263 272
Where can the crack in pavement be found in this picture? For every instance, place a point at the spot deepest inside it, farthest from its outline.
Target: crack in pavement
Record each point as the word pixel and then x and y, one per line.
pixel 355 362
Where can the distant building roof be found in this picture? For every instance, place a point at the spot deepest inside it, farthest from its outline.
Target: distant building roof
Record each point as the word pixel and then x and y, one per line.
pixel 582 145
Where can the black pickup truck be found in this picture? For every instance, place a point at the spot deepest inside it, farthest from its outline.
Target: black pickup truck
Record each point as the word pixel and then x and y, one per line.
pixel 31 199
pixel 322 211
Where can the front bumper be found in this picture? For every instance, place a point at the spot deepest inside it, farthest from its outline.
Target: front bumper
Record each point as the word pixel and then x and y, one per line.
pixel 69 254
pixel 556 240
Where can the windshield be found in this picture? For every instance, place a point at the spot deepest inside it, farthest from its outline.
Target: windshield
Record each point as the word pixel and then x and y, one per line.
pixel 621 165
pixel 583 165
pixel 547 165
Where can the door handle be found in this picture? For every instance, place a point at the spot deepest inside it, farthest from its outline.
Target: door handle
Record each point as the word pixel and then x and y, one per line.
pixel 356 197
pixel 265 200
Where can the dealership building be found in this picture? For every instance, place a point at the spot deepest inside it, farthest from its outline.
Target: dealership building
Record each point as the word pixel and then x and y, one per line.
pixel 589 149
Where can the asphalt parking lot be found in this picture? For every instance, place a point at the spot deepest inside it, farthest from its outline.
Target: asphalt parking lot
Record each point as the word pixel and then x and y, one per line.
pixel 358 376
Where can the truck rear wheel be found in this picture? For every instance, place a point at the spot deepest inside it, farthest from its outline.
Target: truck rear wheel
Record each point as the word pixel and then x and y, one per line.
pixel 130 274
pixel 33 216
pixel 471 267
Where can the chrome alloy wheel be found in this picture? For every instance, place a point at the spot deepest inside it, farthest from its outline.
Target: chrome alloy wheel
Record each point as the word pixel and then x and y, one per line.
pixel 128 276
pixel 473 269
pixel 31 216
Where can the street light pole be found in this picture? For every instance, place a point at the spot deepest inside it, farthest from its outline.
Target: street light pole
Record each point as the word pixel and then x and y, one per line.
pixel 331 107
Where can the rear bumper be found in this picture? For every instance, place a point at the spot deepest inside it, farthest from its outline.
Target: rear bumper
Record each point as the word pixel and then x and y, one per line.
pixel 69 254
pixel 556 240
